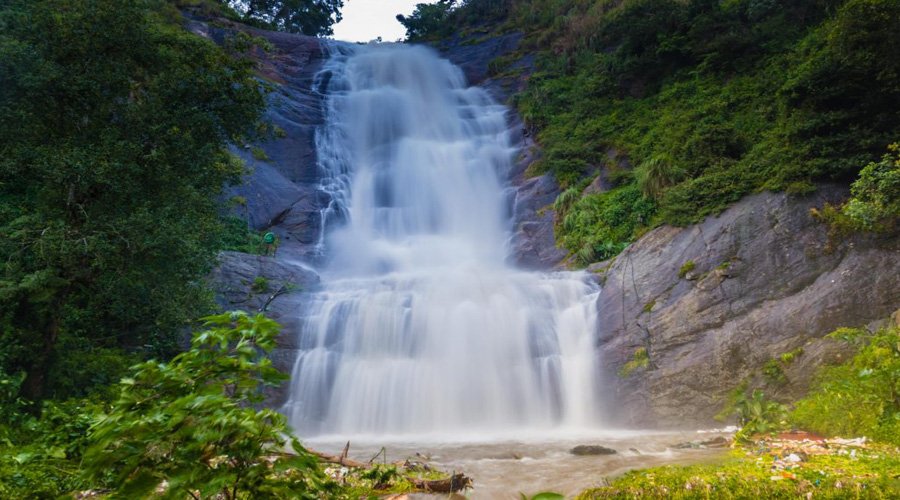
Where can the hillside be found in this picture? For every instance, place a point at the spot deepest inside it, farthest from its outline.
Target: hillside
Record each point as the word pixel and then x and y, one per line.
pixel 654 112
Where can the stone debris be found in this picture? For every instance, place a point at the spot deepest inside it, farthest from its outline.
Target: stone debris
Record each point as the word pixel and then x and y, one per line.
pixel 716 442
pixel 790 451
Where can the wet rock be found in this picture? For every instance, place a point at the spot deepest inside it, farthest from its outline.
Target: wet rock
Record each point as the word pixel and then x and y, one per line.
pixel 591 449
pixel 474 53
pixel 255 283
pixel 769 281
pixel 264 195
pixel 716 442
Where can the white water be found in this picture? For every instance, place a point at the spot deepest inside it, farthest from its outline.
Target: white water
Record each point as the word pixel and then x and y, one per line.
pixel 422 327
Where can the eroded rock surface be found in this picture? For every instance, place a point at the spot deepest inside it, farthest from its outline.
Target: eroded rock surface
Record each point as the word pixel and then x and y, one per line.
pixel 280 193
pixel 766 281
pixel 276 286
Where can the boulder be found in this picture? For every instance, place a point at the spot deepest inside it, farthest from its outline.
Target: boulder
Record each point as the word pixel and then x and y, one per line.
pixel 591 450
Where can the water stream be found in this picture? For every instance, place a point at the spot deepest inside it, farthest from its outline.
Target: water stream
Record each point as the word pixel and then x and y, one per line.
pixel 423 334
pixel 422 325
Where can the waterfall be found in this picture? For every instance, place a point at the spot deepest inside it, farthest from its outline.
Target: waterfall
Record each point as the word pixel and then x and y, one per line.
pixel 421 325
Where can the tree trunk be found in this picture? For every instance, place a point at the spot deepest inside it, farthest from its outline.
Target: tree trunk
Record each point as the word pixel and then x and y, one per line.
pixel 34 385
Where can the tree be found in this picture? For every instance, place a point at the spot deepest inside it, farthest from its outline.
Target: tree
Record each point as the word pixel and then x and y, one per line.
pixel 189 423
pixel 427 19
pixel 113 122
pixel 310 17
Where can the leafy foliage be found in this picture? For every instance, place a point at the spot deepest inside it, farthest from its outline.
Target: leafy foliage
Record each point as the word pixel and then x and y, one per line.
pixel 433 20
pixel 600 225
pixel 860 397
pixel 427 19
pixel 310 17
pixel 40 457
pixel 875 201
pixel 191 423
pixel 688 266
pixel 113 122
pixel 709 100
pixel 757 414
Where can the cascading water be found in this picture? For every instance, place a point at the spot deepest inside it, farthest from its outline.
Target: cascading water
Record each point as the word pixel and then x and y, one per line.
pixel 422 326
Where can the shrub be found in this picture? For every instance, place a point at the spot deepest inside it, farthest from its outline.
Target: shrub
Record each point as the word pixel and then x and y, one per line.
pixel 758 415
pixel 686 268
pixel 860 397
pixel 640 359
pixel 656 174
pixel 191 423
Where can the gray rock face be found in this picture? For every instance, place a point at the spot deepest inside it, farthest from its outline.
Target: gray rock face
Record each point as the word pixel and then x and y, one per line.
pixel 473 54
pixel 766 281
pixel 273 285
pixel 280 193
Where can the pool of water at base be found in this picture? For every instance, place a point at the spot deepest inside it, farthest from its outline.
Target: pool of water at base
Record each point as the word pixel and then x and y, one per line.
pixel 504 467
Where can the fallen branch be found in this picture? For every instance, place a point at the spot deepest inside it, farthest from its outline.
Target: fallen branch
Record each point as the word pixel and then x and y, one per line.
pixel 454 483
pixel 339 459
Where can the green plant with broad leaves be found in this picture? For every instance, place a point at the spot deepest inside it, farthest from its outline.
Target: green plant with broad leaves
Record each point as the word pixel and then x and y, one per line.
pixel 190 424
pixel 860 397
pixel 757 414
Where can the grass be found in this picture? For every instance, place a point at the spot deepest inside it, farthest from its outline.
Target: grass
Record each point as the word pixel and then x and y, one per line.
pixel 639 360
pixel 686 268
pixel 874 473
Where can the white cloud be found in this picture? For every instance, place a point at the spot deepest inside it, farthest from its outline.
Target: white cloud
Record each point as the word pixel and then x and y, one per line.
pixel 365 20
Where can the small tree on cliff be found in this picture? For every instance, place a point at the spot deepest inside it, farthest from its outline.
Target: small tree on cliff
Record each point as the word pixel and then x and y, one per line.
pixel 310 17
pixel 190 423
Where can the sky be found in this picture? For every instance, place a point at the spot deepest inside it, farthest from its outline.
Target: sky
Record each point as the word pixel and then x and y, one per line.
pixel 365 20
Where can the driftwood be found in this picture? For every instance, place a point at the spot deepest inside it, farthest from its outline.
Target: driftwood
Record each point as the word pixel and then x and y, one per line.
pixel 340 459
pixel 456 482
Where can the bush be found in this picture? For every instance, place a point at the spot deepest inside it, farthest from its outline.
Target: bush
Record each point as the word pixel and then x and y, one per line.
pixel 599 226
pixel 191 423
pixel 860 397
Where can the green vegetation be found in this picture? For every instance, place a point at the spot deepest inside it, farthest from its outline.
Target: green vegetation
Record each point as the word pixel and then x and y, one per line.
pixel 640 359
pixel 260 284
pixel 758 415
pixel 259 153
pixel 875 201
pixel 685 268
pixel 860 397
pixel 110 168
pixel 191 423
pixel 432 21
pixel 190 427
pixel 789 357
pixel 237 236
pixel 709 100
pixel 310 17
pixel 745 474
pixel 774 373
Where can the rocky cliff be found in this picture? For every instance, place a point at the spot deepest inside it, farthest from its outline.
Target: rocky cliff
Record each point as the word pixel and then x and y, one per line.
pixel 714 303
pixel 281 191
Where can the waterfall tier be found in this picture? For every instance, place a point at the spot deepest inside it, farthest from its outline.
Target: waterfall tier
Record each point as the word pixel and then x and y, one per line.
pixel 422 326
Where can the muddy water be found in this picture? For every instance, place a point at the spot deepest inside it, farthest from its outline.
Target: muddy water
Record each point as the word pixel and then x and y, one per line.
pixel 505 467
